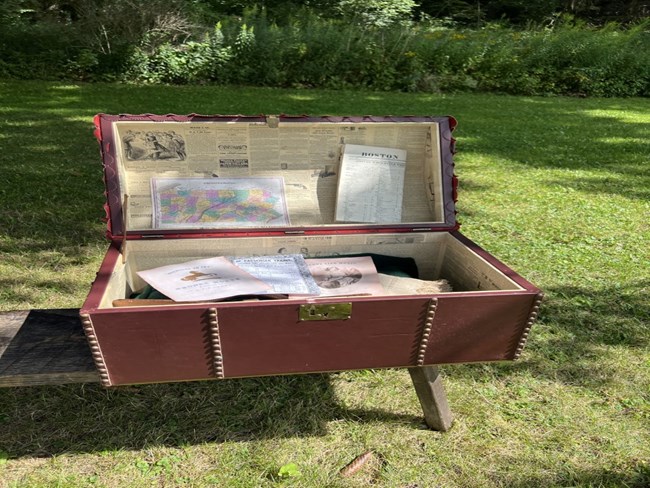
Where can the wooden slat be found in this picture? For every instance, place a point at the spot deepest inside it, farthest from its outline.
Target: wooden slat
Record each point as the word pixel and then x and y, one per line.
pixel 433 399
pixel 44 347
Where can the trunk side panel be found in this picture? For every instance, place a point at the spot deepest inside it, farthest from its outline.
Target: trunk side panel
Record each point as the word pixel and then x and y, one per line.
pixel 478 328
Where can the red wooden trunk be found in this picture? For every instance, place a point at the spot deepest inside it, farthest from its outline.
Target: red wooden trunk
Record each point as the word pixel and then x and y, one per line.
pixel 486 318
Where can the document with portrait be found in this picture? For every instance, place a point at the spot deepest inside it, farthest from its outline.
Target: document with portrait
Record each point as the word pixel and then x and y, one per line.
pixel 341 276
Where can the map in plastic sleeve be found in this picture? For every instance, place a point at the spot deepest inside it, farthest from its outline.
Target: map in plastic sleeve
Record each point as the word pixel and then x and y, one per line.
pixel 186 203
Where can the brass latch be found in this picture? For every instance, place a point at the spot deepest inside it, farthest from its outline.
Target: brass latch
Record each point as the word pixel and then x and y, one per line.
pixel 326 311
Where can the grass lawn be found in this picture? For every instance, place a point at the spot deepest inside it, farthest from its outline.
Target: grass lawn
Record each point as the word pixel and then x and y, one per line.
pixel 558 188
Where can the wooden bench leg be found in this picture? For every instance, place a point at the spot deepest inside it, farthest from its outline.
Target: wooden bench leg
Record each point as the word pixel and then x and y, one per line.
pixel 431 393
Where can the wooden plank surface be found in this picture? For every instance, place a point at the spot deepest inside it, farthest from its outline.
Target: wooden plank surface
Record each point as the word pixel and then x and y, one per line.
pixel 40 347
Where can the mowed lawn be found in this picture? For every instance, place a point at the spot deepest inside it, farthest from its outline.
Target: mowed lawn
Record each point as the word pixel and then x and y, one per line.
pixel 558 188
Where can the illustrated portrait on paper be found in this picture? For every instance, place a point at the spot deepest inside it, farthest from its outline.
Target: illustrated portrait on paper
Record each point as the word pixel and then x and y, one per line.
pixel 153 145
pixel 330 277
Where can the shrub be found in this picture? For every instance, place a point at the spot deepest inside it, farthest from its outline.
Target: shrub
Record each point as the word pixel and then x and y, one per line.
pixel 188 62
pixel 311 51
pixel 40 52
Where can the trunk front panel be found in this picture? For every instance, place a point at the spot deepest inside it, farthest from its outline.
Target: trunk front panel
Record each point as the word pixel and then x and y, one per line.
pixel 270 339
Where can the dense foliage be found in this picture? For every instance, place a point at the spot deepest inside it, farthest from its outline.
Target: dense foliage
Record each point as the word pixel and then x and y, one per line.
pixel 379 44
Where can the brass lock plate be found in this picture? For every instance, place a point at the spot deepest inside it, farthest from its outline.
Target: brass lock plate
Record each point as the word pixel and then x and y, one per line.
pixel 325 311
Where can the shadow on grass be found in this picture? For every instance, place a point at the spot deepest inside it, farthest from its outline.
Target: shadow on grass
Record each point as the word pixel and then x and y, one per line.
pixel 46 421
pixel 579 329
pixel 50 420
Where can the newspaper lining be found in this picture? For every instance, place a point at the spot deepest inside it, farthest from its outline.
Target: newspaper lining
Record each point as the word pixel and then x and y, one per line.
pixel 306 155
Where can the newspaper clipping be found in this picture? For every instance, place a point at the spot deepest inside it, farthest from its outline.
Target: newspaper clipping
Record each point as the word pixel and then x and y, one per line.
pixel 305 155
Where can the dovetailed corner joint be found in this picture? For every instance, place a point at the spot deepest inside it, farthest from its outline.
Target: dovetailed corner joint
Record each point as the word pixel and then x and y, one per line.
pixel 532 318
pixel 426 332
pixel 95 350
pixel 215 343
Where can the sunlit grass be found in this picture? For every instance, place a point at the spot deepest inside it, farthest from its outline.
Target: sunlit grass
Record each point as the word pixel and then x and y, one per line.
pixel 622 114
pixel 558 188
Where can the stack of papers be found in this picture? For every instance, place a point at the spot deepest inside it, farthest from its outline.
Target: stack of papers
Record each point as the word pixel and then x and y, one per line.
pixel 220 277
pixel 283 274
pixel 204 279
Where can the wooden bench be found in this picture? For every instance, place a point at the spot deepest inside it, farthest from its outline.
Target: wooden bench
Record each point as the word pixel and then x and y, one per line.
pixel 48 347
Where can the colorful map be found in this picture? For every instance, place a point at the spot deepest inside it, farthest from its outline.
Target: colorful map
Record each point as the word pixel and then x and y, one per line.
pixel 222 202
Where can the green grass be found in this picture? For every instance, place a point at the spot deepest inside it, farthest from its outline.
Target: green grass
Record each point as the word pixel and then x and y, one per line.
pixel 558 188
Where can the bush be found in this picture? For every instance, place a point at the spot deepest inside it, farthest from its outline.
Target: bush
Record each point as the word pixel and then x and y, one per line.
pixel 40 52
pixel 310 51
